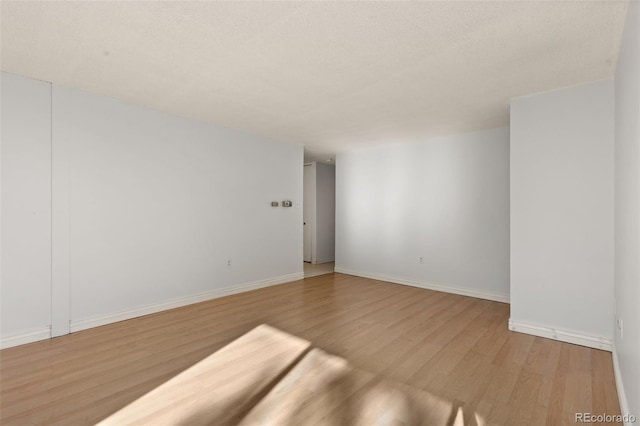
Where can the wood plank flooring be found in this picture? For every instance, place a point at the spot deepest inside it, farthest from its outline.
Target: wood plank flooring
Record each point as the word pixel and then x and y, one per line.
pixel 456 348
pixel 313 270
pixel 222 388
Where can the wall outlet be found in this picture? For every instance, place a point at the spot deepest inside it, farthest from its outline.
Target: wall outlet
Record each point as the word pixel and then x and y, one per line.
pixel 229 263
pixel 421 259
pixel 620 324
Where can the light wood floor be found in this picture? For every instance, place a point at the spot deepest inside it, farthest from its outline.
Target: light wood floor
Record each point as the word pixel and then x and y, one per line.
pixel 456 348
pixel 313 270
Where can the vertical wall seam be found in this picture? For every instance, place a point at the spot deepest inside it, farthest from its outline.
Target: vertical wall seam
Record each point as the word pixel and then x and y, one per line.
pixel 68 246
pixel 51 212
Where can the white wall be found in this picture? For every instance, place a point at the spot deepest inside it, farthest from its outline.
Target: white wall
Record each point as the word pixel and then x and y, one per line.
pixel 444 199
pixel 25 289
pixel 152 205
pixel 562 159
pixel 627 212
pixel 325 213
pixel 159 204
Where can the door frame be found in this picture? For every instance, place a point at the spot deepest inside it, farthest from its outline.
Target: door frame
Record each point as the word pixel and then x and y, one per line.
pixel 308 203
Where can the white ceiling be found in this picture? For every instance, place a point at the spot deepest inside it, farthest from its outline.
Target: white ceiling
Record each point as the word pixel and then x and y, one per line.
pixel 333 76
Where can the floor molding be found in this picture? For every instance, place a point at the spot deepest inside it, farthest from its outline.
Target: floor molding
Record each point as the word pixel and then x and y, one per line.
pixel 24 337
pixel 179 302
pixel 34 335
pixel 320 311
pixel 568 336
pixel 622 396
pixel 496 297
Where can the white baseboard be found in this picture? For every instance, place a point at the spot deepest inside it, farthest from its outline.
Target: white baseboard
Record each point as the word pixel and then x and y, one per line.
pixel 327 260
pixel 622 396
pixel 496 297
pixel 24 337
pixel 183 301
pixel 568 336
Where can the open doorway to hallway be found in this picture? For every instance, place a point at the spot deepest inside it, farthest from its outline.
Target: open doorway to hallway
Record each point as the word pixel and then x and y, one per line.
pixel 319 209
pixel 311 270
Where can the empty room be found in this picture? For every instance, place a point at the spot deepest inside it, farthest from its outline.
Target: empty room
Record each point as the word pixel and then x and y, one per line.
pixel 320 213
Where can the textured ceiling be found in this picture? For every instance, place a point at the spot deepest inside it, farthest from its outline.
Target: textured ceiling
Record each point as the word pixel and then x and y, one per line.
pixel 333 76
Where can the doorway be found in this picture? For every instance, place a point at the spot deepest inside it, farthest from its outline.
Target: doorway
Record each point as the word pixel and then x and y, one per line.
pixel 318 218
pixel 308 204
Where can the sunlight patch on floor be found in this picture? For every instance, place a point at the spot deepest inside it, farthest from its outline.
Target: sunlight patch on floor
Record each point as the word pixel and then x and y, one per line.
pixel 269 377
pixel 218 388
